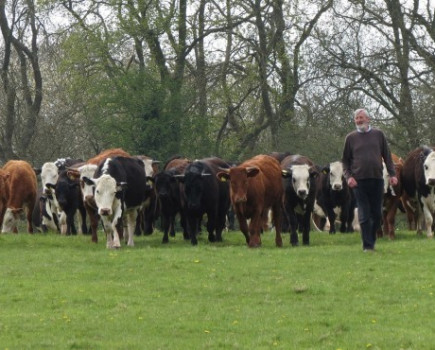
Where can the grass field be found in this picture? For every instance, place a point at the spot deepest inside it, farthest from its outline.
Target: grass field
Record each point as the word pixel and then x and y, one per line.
pixel 60 292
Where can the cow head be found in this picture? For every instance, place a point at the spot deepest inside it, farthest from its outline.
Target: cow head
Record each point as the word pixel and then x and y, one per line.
pixel 301 176
pixel 49 176
pixel 107 193
pixel 238 177
pixel 336 176
pixel 87 171
pixel 193 180
pixel 10 219
pixel 429 169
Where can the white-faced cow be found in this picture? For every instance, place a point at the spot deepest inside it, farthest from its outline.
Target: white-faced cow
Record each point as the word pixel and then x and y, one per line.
pixel 334 198
pixel 203 195
pixel 120 191
pixel 418 182
pixel 299 175
pixel 87 171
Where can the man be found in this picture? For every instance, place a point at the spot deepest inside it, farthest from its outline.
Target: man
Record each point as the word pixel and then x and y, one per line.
pixel 364 150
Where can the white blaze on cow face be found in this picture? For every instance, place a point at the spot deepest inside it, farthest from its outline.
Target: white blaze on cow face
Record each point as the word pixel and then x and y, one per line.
pixel 88 171
pixel 49 175
pixel 336 176
pixel 301 180
pixel 10 219
pixel 429 169
pixel 148 165
pixel 105 195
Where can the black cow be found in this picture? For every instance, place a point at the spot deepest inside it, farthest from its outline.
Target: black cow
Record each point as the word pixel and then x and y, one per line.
pixel 168 194
pixel 203 194
pixel 299 175
pixel 120 191
pixel 333 196
pixel 67 191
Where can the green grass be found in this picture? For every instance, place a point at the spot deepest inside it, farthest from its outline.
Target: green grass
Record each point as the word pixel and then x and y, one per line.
pixel 60 292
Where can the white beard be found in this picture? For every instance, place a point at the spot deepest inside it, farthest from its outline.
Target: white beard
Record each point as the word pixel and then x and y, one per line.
pixel 363 127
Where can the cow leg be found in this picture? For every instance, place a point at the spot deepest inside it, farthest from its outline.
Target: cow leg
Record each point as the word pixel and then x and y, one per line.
pixel 29 218
pixel 243 226
pixel 211 225
pixel 277 222
pixel 294 239
pixel 306 228
pixel 172 225
pixel 428 220
pixel 254 231
pixel 166 226
pixel 131 216
pixel 82 212
pixel 331 216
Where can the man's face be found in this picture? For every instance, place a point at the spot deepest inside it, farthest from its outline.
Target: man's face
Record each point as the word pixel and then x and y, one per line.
pixel 362 121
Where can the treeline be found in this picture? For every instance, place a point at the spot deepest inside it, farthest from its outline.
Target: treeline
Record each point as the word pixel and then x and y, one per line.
pixel 230 78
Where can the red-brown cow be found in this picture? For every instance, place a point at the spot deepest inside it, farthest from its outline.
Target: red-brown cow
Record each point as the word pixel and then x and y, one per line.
pixel 88 171
pixel 256 187
pixel 22 187
pixel 392 195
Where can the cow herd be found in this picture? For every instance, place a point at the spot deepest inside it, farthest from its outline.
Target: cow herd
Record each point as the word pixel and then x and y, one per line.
pixel 128 194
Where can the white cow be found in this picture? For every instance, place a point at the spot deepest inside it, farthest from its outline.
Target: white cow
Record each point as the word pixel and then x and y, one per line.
pixel 53 217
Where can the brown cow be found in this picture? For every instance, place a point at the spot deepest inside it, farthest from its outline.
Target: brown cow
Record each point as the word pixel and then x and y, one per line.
pixel 88 170
pixel 256 187
pixel 22 187
pixel 392 197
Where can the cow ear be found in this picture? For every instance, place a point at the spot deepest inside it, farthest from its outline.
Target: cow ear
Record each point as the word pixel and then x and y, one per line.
pixel 223 176
pixel 425 152
pixel 252 171
pixel 326 170
pixel 73 174
pixel 313 172
pixel 88 181
pixel 37 170
pixel 285 173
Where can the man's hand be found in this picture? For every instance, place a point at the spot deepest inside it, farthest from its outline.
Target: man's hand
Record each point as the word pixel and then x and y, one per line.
pixel 352 182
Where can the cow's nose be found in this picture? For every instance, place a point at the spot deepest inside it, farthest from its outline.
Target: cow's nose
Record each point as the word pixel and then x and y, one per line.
pixel 104 212
pixel 337 187
pixel 302 193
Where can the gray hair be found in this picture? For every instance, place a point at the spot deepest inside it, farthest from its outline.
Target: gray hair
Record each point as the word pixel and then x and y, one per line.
pixel 363 110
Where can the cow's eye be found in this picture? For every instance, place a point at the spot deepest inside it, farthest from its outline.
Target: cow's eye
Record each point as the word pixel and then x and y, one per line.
pixel 426 167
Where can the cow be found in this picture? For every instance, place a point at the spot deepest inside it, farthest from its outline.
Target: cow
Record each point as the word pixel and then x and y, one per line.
pixel 52 215
pixel 69 199
pixel 418 184
pixel 21 189
pixel 334 197
pixel 119 192
pixel 87 171
pixel 255 187
pixel 203 194
pixel 149 212
pixel 299 174
pixel 168 194
pixel 392 199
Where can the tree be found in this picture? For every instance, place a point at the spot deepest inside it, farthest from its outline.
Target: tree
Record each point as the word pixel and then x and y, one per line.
pixel 21 78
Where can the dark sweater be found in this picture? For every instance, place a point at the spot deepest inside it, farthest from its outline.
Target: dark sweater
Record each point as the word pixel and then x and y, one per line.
pixel 363 154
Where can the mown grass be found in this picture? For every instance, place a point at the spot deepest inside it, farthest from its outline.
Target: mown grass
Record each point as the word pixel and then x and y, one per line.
pixel 60 292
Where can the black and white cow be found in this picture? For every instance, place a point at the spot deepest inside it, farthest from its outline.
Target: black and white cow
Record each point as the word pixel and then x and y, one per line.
pixel 299 174
pixel 52 215
pixel 418 181
pixel 334 198
pixel 120 187
pixel 203 194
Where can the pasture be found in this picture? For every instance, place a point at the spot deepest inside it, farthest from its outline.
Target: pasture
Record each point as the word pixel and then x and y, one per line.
pixel 63 292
